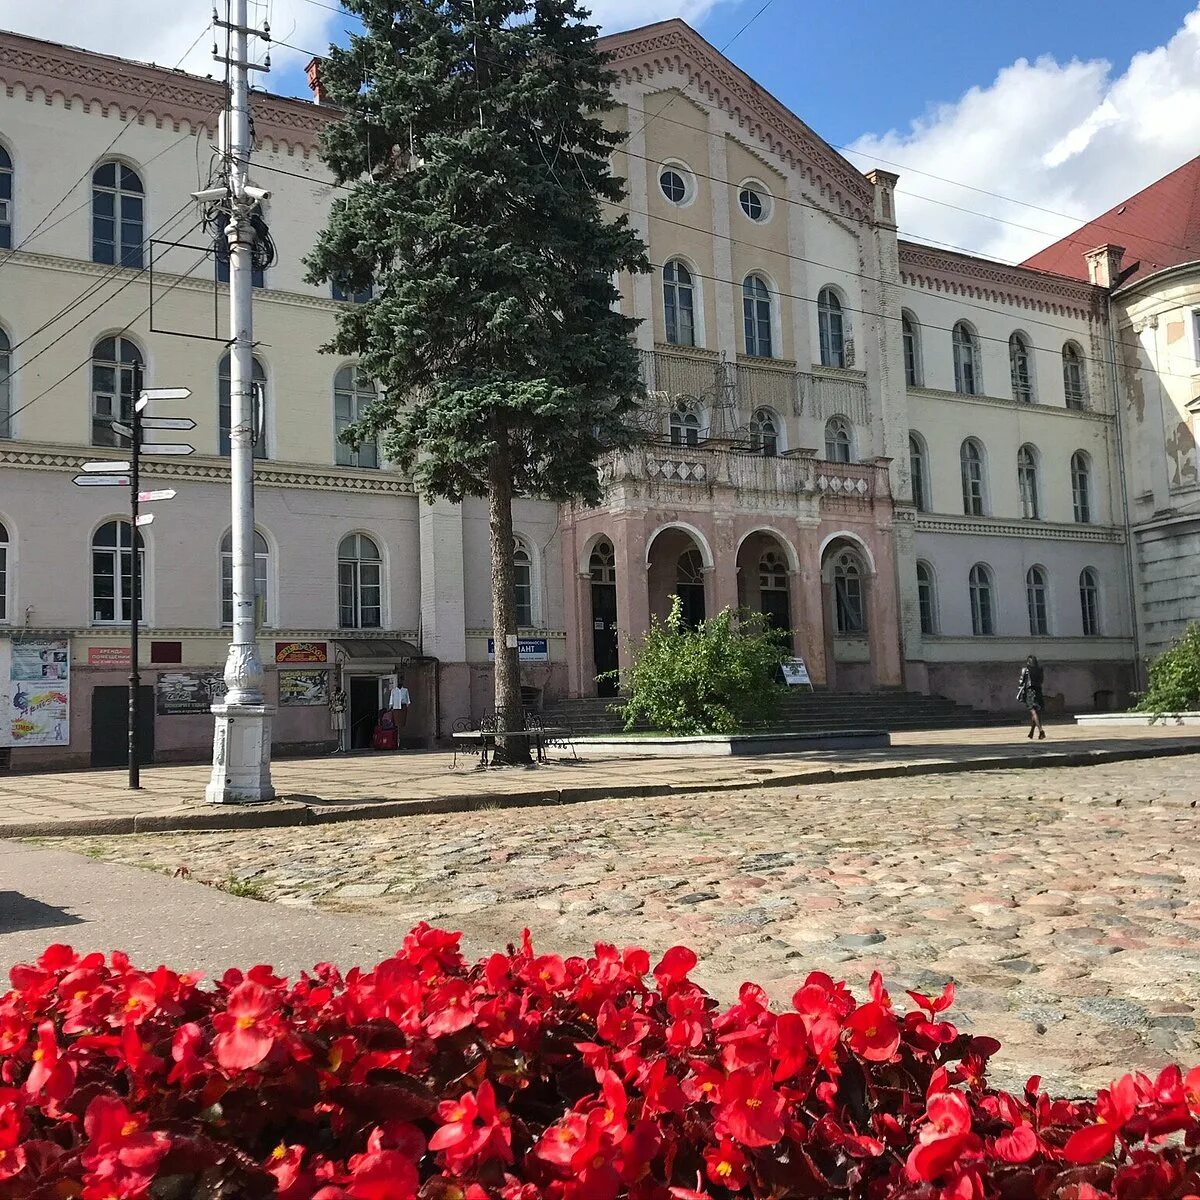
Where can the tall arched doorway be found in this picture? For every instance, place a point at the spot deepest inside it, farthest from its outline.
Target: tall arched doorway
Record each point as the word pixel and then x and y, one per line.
pixel 764 578
pixel 676 565
pixel 602 567
pixel 846 585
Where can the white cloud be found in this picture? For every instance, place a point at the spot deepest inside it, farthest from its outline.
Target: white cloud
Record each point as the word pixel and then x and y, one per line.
pixel 1070 137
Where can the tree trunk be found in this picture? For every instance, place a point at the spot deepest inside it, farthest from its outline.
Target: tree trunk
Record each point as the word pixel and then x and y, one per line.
pixel 509 750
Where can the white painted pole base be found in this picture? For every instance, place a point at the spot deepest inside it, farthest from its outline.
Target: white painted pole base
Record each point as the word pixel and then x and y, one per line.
pixel 241 772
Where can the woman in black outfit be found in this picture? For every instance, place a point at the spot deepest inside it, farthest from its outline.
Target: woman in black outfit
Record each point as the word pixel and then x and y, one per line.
pixel 1029 693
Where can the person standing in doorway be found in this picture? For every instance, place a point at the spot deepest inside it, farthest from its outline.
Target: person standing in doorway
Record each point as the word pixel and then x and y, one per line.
pixel 400 702
pixel 337 717
pixel 1029 693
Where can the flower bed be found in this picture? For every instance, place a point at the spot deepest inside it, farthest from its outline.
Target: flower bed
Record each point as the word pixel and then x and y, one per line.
pixel 528 1075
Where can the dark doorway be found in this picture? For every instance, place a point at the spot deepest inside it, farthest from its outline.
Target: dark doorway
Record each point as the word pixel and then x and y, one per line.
pixel 110 726
pixel 689 587
pixel 364 710
pixel 604 635
pixel 775 608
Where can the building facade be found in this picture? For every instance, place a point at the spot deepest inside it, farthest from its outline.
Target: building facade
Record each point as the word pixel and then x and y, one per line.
pixel 909 457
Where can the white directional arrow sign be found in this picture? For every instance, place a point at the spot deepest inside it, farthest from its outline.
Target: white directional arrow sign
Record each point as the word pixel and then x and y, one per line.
pixel 161 494
pixel 167 448
pixel 101 480
pixel 168 423
pixel 123 430
pixel 110 467
pixel 144 519
pixel 151 394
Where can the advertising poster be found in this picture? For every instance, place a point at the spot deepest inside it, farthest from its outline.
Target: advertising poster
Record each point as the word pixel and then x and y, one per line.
pixel 181 693
pixel 795 673
pixel 301 652
pixel 303 688
pixel 37 692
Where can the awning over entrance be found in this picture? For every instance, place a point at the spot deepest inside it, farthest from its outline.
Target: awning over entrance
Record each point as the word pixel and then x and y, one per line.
pixel 389 649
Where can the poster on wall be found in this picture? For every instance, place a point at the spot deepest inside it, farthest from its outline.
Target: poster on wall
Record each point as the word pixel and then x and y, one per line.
pixel 297 688
pixel 35 675
pixel 181 693
pixel 528 649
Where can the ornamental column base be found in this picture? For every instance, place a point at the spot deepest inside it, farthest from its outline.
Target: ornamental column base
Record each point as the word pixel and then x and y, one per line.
pixel 241 772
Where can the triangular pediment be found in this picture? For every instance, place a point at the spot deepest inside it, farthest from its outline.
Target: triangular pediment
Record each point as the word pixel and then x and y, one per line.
pixel 673 54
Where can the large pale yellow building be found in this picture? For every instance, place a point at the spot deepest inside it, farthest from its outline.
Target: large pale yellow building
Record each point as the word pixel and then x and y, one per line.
pixel 909 457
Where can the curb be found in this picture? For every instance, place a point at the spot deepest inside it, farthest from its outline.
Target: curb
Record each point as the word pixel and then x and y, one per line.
pixel 289 812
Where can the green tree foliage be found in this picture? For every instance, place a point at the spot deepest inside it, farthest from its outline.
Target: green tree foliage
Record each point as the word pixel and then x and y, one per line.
pixel 714 678
pixel 478 206
pixel 1175 677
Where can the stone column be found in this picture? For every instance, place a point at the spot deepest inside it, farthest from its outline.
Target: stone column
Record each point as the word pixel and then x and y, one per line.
pixel 809 620
pixel 633 594
pixel 883 617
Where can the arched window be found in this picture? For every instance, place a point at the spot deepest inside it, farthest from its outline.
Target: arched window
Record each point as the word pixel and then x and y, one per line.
pixel 966 360
pixel 1027 482
pixel 849 611
pixel 112 574
pixel 917 472
pixel 831 327
pixel 838 445
pixel 225 407
pixel 971 461
pixel 5 387
pixel 1074 384
pixel 912 350
pixel 1020 368
pixel 523 583
pixel 262 564
pixel 983 608
pixel 360 583
pixel 113 361
pixel 926 598
pixel 684 425
pixel 756 311
pixel 679 304
pixel 3 572
pixel 6 200
pixel 1081 487
pixel 689 586
pixel 353 394
pixel 118 215
pixel 764 431
pixel 690 568
pixel 1036 600
pixel 1089 601
pixel 602 566
pixel 772 572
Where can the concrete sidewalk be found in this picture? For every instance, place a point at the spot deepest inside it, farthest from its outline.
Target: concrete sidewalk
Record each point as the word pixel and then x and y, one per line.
pixel 360 787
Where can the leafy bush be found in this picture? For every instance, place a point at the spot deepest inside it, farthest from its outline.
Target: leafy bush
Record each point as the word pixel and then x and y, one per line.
pixel 1175 677
pixel 715 678
pixel 528 1076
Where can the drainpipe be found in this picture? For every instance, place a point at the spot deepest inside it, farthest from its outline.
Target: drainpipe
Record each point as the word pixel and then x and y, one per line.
pixel 1138 675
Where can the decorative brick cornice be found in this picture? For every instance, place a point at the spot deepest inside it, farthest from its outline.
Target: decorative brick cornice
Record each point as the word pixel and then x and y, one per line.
pixel 163 97
pixel 34 457
pixel 1037 530
pixel 674 48
pixel 980 278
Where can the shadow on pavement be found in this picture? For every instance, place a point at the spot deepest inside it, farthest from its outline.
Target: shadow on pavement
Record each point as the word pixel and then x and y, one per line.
pixel 19 912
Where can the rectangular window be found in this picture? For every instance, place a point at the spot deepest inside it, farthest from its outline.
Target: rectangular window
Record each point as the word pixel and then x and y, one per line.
pixel 3 583
pixel 925 605
pixel 1196 333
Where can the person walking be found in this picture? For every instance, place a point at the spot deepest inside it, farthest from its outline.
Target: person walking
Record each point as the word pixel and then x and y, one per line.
pixel 1029 693
pixel 400 702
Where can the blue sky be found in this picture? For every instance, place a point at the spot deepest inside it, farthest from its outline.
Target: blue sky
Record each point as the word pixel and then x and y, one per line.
pixel 1060 107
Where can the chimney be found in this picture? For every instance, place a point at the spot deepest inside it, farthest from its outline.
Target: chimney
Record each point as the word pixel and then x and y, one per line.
pixel 1104 265
pixel 884 183
pixel 313 71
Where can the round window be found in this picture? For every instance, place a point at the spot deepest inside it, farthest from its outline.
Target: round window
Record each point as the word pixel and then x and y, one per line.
pixel 753 204
pixel 673 185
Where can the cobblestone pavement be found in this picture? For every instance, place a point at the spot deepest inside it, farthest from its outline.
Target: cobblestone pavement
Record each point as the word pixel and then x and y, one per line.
pixel 1066 903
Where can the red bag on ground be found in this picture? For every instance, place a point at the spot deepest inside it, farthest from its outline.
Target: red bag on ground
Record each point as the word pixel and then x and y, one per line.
pixel 384 737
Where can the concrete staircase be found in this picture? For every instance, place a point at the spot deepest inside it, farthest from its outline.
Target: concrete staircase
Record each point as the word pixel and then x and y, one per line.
pixel 805 711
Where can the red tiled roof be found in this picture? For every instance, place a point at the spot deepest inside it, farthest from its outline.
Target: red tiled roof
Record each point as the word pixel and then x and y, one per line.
pixel 1159 227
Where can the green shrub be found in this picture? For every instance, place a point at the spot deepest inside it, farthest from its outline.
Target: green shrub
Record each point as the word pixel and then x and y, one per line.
pixel 716 678
pixel 1175 677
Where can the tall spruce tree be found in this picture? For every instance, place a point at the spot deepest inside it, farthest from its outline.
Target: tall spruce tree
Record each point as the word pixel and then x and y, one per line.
pixel 472 145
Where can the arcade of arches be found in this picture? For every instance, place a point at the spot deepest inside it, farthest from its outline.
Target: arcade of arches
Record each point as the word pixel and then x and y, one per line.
pixel 625 569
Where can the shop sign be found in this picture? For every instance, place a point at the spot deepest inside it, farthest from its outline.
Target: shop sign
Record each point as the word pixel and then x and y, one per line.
pixel 301 652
